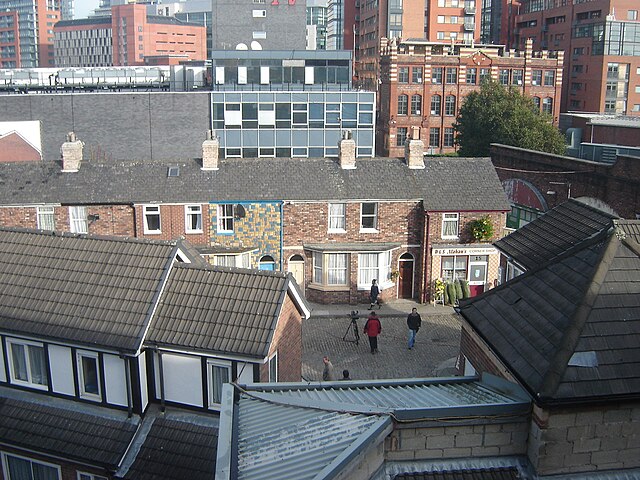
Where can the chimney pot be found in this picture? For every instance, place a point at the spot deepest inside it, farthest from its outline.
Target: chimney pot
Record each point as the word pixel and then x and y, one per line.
pixel 347 151
pixel 71 151
pixel 210 152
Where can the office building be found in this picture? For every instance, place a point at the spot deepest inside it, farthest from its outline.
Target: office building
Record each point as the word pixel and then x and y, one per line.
pixel 601 41
pixel 317 11
pixel 9 40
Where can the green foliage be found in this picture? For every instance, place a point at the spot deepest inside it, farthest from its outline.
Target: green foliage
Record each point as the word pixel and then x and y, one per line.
pixel 452 293
pixel 458 289
pixel 497 115
pixel 466 291
pixel 481 229
pixel 445 292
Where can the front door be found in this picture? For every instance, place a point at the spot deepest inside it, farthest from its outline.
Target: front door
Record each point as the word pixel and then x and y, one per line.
pixel 405 280
pixel 296 268
pixel 477 275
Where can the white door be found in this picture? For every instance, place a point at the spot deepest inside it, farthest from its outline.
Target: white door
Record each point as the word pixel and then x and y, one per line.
pixel 296 268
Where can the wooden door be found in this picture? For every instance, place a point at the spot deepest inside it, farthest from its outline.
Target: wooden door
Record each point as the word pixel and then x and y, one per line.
pixel 405 280
pixel 296 268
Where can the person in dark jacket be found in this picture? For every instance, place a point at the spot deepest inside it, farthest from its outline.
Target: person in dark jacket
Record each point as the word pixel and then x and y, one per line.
pixel 374 294
pixel 413 322
pixel 372 328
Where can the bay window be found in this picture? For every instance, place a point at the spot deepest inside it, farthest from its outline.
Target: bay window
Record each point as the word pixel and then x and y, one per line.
pixel 330 269
pixel 374 266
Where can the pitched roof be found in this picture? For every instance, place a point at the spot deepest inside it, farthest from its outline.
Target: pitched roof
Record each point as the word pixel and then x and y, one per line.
pixel 460 184
pixel 88 290
pixel 554 232
pixel 176 449
pixel 570 329
pixel 239 315
pixel 91 435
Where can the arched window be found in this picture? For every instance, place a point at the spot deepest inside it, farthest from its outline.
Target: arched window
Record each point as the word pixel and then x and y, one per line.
pixel 403 104
pixel 436 102
pixel 267 263
pixel 450 105
pixel 536 102
pixel 416 104
pixel 547 105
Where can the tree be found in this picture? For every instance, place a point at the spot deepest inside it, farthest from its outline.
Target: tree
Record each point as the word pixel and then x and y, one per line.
pixel 497 115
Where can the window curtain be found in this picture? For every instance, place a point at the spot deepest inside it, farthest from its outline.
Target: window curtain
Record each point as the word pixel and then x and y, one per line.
pixel 450 227
pixel 19 362
pixel 337 269
pixel 37 363
pixel 317 267
pixel 219 376
pixel 367 268
pixel 19 468
pixel 385 266
pixel 44 472
pixel 336 216
pixel 78 219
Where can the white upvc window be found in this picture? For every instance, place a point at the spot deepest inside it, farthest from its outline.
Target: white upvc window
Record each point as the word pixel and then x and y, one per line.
pixel 151 219
pixel 193 218
pixel 16 467
pixel 27 363
pixel 273 367
pixel 46 217
pixel 337 217
pixel 240 260
pixel 78 220
pixel 369 216
pixel 89 375
pixel 225 218
pixel 374 266
pixel 330 269
pixel 218 373
pixel 450 225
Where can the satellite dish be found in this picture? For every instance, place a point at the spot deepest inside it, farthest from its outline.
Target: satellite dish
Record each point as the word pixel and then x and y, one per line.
pixel 256 45
pixel 242 46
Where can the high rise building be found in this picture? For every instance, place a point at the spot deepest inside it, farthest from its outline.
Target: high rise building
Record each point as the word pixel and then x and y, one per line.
pixel 35 30
pixel 601 41
pixel 433 20
pixel 259 25
pixel 67 9
pixel 9 40
pixel 317 11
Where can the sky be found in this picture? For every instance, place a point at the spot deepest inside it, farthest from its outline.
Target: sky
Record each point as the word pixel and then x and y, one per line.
pixel 84 7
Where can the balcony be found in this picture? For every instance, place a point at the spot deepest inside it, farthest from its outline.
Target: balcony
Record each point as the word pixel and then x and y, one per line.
pixel 469 27
pixel 469 10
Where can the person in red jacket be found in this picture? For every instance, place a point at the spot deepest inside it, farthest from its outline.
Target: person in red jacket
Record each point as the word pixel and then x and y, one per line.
pixel 372 328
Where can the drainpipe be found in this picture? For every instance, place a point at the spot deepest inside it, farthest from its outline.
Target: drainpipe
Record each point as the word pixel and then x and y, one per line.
pixel 281 236
pixel 424 258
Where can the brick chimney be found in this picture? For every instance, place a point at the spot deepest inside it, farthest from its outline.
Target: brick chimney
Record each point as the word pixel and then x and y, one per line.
pixel 210 152
pixel 414 150
pixel 347 151
pixel 71 151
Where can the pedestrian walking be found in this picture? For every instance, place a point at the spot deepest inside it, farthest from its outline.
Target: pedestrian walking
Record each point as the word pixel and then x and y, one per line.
pixel 374 294
pixel 372 328
pixel 413 322
pixel 327 372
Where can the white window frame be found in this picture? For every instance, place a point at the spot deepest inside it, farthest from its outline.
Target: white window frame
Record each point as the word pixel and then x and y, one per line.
pixel 451 218
pixel 90 476
pixel 46 217
pixel 12 373
pixel 322 268
pixel 273 362
pixel 80 354
pixel 148 211
pixel 5 465
pixel 191 211
pixel 374 216
pixel 78 222
pixel 210 384
pixel 337 218
pixel 224 217
pixel 381 271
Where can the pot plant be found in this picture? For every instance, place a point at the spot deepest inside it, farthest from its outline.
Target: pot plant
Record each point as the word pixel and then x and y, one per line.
pixel 481 229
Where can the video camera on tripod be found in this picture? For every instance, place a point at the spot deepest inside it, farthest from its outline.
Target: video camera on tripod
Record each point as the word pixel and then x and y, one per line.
pixel 353 327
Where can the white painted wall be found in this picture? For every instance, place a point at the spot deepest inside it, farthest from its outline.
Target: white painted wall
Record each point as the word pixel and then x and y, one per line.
pixel 62 365
pixel 3 373
pixel 245 373
pixel 182 379
pixel 144 386
pixel 115 380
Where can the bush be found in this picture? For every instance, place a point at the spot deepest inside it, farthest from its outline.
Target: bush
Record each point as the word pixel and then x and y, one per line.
pixel 453 295
pixel 445 295
pixel 458 289
pixel 481 229
pixel 466 291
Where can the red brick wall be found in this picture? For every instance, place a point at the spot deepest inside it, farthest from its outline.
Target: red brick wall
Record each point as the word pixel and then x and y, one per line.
pixel 616 185
pixel 287 341
pixel 172 224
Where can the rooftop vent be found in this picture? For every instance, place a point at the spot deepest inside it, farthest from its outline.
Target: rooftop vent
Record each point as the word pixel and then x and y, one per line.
pixel 173 172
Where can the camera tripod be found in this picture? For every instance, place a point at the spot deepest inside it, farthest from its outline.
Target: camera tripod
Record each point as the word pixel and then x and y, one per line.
pixel 353 327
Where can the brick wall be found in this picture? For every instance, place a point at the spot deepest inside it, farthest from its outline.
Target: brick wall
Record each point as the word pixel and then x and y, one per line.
pixel 585 439
pixel 616 185
pixel 423 442
pixel 287 341
pixel 172 224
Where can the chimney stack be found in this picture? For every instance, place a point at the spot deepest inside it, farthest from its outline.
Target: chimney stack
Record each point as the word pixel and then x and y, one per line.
pixel 210 152
pixel 347 151
pixel 414 150
pixel 71 153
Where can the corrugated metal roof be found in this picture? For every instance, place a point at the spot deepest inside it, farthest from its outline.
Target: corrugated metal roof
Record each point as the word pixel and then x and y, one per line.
pixel 284 442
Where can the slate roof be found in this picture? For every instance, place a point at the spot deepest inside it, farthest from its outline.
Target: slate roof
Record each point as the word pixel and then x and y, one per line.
pixel 88 290
pixel 570 329
pixel 176 449
pixel 95 436
pixel 239 316
pixel 554 232
pixel 458 184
